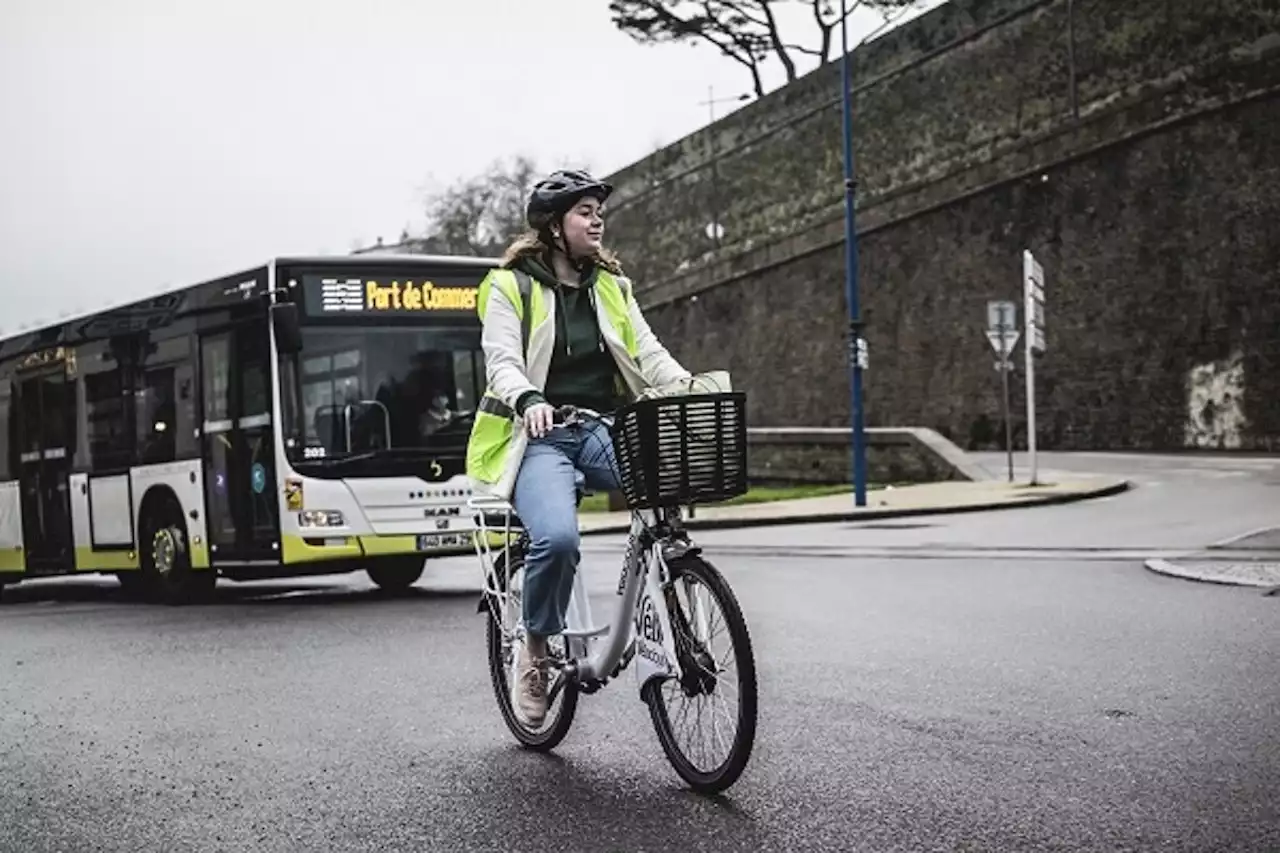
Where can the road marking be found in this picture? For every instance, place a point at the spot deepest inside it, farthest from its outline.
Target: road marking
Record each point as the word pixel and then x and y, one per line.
pixel 1211 461
pixel 942 551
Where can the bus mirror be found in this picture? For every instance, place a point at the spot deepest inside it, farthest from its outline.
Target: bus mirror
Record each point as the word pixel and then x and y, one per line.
pixel 284 319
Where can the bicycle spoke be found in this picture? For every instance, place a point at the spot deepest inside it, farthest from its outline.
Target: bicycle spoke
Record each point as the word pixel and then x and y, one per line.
pixel 712 633
pixel 715 726
pixel 702 744
pixel 707 718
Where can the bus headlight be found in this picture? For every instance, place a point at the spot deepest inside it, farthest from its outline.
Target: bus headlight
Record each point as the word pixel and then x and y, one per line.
pixel 321 518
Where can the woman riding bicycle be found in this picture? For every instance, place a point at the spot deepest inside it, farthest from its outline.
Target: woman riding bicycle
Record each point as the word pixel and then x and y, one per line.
pixel 561 328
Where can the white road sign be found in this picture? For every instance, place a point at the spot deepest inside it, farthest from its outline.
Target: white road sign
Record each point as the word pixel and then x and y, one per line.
pixel 1002 314
pixel 1033 293
pixel 1033 314
pixel 1002 326
pixel 1003 342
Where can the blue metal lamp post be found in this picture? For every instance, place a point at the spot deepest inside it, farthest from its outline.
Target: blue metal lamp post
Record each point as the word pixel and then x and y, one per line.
pixel 857 347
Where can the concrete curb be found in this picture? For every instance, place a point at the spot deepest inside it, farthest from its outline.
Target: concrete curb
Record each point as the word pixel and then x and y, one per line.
pixel 1162 566
pixel 872 514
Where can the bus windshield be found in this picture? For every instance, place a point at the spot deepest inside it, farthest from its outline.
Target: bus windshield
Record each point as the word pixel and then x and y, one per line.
pixel 393 389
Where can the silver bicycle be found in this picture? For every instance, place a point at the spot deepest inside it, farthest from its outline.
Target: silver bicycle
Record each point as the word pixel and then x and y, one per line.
pixel 670 605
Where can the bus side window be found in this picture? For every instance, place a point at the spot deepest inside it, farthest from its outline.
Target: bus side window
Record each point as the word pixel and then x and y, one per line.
pixel 107 425
pixel 157 417
pixel 186 444
pixel 166 400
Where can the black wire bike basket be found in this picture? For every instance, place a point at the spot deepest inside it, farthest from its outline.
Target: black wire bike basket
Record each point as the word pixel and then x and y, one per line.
pixel 676 451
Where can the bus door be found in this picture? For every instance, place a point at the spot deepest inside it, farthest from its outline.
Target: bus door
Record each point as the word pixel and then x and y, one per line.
pixel 47 406
pixel 239 453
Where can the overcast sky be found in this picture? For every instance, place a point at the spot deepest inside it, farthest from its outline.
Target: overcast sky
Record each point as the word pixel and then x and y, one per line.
pixel 146 144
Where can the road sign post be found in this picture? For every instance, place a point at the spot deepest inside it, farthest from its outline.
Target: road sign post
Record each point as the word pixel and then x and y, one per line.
pixel 1033 315
pixel 1002 332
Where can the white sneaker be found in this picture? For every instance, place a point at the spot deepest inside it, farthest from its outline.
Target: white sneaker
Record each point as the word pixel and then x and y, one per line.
pixel 529 690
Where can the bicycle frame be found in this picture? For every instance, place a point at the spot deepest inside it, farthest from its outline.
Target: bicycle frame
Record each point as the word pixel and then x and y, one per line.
pixel 641 625
pixel 664 599
pixel 596 654
pixel 641 621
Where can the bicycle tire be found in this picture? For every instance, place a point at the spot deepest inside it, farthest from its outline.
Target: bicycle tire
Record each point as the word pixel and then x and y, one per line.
pixel 549 736
pixel 735 763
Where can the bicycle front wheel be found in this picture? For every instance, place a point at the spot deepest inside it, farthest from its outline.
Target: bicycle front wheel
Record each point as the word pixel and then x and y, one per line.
pixel 706 720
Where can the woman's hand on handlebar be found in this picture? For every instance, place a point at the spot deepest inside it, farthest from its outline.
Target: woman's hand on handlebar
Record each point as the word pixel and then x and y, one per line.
pixel 567 415
pixel 541 418
pixel 538 419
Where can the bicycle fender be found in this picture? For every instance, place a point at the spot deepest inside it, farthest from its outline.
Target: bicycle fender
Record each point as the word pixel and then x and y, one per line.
pixel 655 644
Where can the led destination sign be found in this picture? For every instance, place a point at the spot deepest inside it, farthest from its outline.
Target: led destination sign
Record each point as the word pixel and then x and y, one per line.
pixel 336 295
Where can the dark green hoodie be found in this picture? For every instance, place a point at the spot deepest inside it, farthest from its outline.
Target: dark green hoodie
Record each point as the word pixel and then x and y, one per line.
pixel 583 372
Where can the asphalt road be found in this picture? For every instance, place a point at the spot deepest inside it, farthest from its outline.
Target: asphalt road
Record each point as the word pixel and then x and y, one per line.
pixel 1001 681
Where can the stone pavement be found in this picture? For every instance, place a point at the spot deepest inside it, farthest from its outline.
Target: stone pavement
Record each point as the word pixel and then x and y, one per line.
pixel 902 501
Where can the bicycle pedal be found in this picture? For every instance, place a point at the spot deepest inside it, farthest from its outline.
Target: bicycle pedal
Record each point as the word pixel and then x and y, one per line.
pixel 588 687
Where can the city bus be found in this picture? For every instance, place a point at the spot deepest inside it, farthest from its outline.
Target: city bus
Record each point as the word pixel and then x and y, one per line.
pixel 308 416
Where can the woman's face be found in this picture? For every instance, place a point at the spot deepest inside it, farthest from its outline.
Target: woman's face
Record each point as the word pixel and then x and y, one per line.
pixel 584 227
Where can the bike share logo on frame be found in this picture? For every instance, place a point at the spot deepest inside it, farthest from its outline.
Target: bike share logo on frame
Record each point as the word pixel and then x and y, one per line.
pixel 630 563
pixel 650 628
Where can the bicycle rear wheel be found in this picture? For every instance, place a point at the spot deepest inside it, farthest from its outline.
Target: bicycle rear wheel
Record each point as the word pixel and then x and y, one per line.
pixel 501 641
pixel 696 593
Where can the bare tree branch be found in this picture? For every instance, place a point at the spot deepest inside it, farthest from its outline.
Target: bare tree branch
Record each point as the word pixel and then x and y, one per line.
pixel 775 38
pixel 827 15
pixel 479 215
pixel 746 31
pixel 806 51
pixel 717 23
pixel 726 6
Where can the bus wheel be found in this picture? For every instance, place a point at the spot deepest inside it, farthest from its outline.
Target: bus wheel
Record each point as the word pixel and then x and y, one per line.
pixel 166 559
pixel 397 575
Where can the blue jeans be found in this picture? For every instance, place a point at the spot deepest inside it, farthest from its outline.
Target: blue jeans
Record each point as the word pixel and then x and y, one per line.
pixel 545 498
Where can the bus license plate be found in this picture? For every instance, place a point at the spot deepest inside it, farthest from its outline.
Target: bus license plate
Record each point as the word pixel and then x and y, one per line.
pixel 427 541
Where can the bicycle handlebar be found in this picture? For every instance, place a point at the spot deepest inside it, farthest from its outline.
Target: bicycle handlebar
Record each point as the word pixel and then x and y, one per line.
pixel 568 414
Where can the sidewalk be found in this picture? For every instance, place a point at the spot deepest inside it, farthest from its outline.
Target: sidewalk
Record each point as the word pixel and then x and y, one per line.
pixel 903 501
pixel 1251 559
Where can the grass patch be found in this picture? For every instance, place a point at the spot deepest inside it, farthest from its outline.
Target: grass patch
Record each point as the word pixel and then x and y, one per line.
pixel 754 495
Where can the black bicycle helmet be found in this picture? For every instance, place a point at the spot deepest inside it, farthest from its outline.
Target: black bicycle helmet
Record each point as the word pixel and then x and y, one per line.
pixel 559 191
